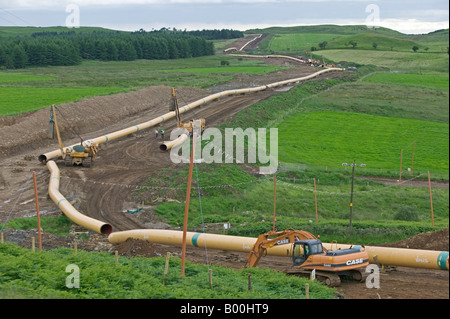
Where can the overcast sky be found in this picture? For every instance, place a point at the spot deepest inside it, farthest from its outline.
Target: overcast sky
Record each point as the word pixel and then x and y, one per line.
pixel 410 16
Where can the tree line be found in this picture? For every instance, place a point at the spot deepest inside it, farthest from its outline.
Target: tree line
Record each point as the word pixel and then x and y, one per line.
pixel 70 48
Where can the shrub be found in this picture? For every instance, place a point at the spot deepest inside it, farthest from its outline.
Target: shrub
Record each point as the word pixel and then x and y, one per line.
pixel 407 213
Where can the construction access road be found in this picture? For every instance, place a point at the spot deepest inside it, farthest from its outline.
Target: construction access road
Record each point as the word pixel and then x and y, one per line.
pixel 106 192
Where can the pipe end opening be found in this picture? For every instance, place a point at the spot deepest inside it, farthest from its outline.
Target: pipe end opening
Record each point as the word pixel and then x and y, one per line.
pixel 106 229
pixel 163 147
pixel 42 159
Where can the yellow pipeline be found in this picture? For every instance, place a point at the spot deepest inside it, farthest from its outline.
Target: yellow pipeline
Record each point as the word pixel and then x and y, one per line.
pixel 133 129
pixel 99 226
pixel 212 241
pixel 68 210
pixel 170 144
pixel 414 258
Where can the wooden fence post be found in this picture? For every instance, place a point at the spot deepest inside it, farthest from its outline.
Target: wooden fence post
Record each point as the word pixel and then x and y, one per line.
pixel 166 268
pixel 210 278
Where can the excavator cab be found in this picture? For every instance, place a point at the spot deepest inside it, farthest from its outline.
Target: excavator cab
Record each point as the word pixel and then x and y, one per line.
pixel 302 249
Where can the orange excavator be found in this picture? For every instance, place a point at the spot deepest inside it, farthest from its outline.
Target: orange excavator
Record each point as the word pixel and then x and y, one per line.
pixel 309 256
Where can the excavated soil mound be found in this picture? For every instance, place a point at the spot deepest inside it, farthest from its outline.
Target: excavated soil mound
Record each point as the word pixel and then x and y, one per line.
pixel 139 248
pixel 29 131
pixel 436 240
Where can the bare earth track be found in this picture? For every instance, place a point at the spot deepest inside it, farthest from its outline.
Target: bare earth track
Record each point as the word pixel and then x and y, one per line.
pixel 106 190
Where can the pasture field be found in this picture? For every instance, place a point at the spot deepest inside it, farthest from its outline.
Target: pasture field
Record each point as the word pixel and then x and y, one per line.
pixel 298 41
pixel 16 100
pixel 389 100
pixel 438 81
pixel 331 138
pixel 305 41
pixel 17 77
pixel 396 61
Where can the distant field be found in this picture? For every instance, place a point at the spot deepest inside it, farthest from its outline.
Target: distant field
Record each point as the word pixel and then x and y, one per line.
pixel 401 101
pixel 366 41
pixel 331 138
pixel 302 41
pixel 402 61
pixel 299 41
pixel 439 81
pixel 230 69
pixel 18 77
pixel 15 100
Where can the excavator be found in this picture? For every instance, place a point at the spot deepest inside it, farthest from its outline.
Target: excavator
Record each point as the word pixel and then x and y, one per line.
pixel 82 154
pixel 309 256
pixel 174 107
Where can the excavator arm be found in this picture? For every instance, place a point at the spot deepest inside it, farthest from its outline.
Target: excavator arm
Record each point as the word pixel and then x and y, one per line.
pixel 275 238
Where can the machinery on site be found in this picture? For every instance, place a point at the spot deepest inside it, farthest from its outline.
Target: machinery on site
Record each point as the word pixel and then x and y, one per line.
pixel 187 126
pixel 81 154
pixel 309 256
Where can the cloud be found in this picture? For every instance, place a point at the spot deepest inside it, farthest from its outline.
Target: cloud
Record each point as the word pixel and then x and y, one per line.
pixel 33 4
pixel 414 26
pixel 411 17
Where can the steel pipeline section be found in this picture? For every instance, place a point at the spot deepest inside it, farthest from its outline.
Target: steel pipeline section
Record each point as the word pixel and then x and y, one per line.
pixel 170 144
pixel 383 255
pixel 414 258
pixel 73 214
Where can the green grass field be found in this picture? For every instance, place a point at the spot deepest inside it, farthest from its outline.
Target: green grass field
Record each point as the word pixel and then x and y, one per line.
pixel 438 81
pixel 366 41
pixel 15 100
pixel 298 41
pixel 17 77
pixel 331 138
pixel 304 41
pixel 399 61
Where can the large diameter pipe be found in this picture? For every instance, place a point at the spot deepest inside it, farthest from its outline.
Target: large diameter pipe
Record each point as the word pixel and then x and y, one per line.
pixel 133 129
pixel 67 208
pixel 211 241
pixel 414 258
pixel 170 144
pixel 402 257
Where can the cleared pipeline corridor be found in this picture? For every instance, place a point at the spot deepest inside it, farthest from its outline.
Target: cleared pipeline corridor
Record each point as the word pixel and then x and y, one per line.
pixel 391 256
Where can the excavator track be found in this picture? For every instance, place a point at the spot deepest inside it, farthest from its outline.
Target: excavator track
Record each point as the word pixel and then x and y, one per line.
pixel 331 279
pixel 358 275
pixel 327 278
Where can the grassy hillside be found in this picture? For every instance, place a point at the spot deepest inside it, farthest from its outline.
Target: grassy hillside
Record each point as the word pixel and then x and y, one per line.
pixel 327 29
pixel 396 61
pixel 305 41
pixel 367 41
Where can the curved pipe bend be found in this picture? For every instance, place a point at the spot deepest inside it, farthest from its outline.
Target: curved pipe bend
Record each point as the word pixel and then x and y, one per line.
pixel 67 208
